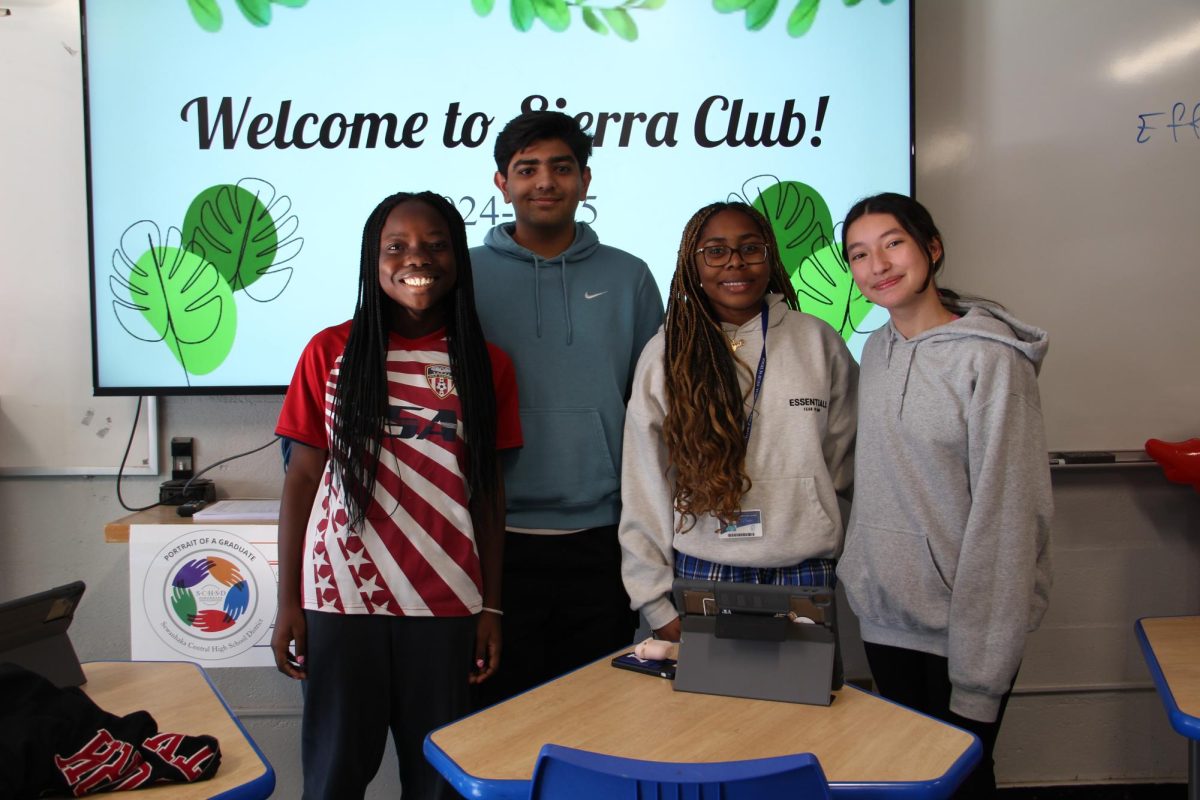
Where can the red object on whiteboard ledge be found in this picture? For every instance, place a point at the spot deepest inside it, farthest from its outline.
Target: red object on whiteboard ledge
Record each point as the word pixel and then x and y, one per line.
pixel 1180 461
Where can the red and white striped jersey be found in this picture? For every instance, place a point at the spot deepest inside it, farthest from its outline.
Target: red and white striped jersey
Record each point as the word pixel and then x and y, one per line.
pixel 415 554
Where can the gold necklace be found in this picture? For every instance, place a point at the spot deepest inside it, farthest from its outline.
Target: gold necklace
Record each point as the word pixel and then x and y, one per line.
pixel 734 344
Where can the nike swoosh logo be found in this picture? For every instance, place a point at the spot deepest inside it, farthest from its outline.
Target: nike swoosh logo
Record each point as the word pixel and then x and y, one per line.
pixel 593 295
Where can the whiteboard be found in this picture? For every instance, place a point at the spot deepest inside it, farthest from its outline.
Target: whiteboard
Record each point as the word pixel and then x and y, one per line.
pixel 50 424
pixel 1028 120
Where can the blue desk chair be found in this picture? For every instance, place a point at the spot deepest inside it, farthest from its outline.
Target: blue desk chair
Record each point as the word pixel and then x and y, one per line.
pixel 562 772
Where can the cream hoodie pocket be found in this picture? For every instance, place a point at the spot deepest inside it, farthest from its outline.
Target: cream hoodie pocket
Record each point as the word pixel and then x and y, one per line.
pixel 891 578
pixel 815 523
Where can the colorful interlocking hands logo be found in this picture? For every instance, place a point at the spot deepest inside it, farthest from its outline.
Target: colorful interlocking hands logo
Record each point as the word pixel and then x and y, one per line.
pixel 209 595
pixel 209 580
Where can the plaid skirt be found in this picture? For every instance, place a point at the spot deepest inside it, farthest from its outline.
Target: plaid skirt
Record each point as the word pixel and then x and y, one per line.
pixel 813 572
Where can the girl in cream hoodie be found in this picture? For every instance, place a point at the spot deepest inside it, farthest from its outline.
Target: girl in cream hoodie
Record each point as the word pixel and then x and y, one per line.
pixel 740 431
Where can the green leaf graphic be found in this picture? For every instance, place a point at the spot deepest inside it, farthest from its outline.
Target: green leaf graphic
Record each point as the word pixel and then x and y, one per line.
pixel 851 2
pixel 824 277
pixel 801 18
pixel 187 304
pixel 798 214
pixel 729 6
pixel 207 14
pixel 593 21
pixel 483 7
pixel 290 3
pixel 554 13
pixel 758 14
pixel 247 233
pixel 804 230
pixel 258 12
pixel 621 23
pixel 523 14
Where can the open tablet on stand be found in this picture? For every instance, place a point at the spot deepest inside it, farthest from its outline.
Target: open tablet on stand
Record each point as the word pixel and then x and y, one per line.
pixel 33 634
pixel 755 640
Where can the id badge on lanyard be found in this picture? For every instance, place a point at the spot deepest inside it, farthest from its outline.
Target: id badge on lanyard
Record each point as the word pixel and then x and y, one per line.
pixel 748 526
pixel 749 523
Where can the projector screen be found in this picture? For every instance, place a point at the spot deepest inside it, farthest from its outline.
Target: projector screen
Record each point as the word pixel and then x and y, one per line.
pixel 235 149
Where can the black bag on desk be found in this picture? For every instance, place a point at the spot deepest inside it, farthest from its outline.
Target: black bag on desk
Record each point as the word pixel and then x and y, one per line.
pixel 58 741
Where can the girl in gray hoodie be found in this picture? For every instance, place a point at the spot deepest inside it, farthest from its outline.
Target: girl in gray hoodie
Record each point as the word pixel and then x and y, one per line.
pixel 947 559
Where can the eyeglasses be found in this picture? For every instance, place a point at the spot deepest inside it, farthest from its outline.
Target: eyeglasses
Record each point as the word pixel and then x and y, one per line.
pixel 718 255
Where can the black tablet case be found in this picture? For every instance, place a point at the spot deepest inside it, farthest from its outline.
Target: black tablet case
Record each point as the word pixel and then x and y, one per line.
pixel 33 634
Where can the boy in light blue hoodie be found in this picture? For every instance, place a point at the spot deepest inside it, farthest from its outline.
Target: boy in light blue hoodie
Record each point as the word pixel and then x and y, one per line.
pixel 574 315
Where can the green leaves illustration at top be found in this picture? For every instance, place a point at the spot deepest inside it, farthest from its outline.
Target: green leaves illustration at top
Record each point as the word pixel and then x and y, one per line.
pixel 180 296
pixel 247 233
pixel 523 14
pixel 759 13
pixel 621 22
pixel 207 13
pixel 258 12
pixel 802 17
pixel 600 16
pixel 593 21
pixel 554 13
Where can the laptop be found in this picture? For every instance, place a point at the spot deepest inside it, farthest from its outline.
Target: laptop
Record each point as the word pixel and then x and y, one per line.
pixel 33 634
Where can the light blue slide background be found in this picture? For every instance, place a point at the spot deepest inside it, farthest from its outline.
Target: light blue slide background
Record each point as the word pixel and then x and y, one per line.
pixel 148 58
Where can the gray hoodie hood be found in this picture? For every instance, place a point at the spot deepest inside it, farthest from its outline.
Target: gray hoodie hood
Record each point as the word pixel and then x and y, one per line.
pixel 499 239
pixel 982 320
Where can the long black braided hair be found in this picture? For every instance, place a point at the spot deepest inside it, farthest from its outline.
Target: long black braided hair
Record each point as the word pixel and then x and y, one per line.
pixel 360 411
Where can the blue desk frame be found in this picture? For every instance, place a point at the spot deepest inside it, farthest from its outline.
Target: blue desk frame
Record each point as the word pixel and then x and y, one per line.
pixel 1184 724
pixel 474 786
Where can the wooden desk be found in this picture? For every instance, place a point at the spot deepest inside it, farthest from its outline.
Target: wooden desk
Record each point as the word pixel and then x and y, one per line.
pixel 1171 646
pixel 118 530
pixel 859 739
pixel 181 699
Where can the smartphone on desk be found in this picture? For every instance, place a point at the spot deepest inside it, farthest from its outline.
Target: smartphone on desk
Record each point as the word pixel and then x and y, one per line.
pixel 663 668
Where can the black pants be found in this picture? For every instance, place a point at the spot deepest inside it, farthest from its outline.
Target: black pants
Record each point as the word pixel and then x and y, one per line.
pixel 921 681
pixel 368 674
pixel 564 606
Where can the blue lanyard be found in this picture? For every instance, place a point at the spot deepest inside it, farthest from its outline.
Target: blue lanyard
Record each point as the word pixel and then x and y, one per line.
pixel 758 376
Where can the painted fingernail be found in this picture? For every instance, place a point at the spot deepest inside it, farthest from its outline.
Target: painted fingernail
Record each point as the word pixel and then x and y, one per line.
pixel 479 663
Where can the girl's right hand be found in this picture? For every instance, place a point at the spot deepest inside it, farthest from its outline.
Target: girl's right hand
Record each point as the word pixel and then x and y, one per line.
pixel 290 627
pixel 668 633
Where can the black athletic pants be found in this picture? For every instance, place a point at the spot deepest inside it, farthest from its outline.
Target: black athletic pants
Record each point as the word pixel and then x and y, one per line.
pixel 368 674
pixel 921 681
pixel 564 606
